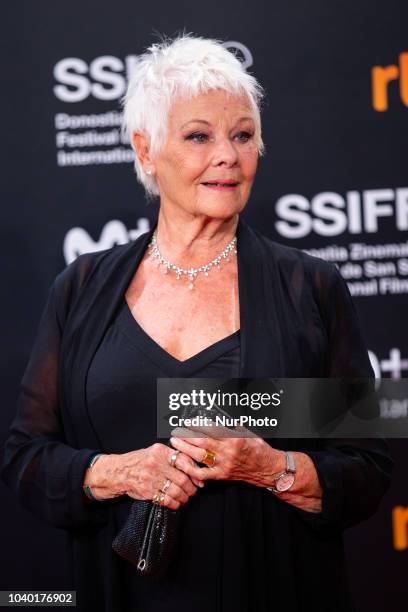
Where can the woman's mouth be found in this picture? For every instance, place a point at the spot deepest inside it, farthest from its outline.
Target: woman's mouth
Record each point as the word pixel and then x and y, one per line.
pixel 227 186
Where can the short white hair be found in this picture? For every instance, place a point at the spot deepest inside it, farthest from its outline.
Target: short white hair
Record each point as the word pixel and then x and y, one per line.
pixel 185 66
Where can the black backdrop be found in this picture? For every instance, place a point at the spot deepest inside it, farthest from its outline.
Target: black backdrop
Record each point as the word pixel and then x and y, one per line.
pixel 334 181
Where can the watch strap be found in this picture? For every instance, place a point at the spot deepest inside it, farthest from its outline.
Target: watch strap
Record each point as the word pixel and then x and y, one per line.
pixel 290 462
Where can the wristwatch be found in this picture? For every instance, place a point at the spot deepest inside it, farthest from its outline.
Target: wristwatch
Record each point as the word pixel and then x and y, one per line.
pixel 286 479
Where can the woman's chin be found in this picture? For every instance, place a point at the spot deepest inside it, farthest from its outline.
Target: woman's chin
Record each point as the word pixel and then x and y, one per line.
pixel 220 210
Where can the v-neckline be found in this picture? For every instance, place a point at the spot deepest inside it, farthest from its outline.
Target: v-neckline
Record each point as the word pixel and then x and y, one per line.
pixel 166 360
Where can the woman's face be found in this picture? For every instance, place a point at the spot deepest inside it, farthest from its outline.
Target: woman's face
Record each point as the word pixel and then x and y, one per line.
pixel 208 163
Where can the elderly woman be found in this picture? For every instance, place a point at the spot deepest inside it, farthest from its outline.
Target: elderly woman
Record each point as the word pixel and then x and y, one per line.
pixel 201 295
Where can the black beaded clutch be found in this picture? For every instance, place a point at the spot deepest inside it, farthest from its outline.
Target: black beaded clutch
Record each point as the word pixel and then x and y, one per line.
pixel 148 538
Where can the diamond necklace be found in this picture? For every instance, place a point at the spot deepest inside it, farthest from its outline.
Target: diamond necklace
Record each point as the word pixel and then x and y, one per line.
pixel 192 273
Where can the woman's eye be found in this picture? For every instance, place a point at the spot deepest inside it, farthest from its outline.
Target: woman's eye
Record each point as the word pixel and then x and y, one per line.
pixel 244 136
pixel 200 137
pixel 197 137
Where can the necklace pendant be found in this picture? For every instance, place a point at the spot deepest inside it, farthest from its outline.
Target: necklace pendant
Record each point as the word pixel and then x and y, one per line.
pixel 191 285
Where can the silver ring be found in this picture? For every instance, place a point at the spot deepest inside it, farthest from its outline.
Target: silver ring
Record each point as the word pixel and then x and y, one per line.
pixel 166 486
pixel 173 458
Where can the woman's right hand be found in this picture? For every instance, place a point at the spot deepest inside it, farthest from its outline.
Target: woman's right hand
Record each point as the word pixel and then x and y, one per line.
pixel 142 473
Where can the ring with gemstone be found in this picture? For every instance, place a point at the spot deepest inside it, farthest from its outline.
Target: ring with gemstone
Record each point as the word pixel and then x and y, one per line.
pixel 209 458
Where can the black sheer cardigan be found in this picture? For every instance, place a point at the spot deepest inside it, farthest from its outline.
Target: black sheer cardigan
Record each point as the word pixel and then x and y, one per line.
pixel 297 320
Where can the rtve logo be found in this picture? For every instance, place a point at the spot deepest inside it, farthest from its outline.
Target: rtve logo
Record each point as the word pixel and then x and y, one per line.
pixel 381 77
pixel 400 527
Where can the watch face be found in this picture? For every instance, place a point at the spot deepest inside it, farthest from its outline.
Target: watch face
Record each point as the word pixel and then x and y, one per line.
pixel 284 482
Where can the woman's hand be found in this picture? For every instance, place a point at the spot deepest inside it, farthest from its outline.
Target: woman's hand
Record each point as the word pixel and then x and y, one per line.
pixel 249 459
pixel 142 473
pixel 252 460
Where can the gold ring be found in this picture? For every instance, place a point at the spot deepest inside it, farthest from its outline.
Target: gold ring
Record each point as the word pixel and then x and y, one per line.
pixel 209 458
pixel 158 498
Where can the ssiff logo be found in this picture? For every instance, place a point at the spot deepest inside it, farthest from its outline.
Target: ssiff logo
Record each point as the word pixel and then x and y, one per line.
pixel 400 527
pixel 382 76
pixel 105 77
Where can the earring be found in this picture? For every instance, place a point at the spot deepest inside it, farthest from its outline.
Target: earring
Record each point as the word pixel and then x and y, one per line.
pixel 148 171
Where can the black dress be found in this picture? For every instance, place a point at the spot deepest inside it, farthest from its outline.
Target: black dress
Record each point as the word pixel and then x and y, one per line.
pixel 297 319
pixel 123 374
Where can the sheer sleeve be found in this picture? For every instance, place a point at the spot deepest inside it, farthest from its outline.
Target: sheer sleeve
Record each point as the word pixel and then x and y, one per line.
pixel 39 466
pixel 354 473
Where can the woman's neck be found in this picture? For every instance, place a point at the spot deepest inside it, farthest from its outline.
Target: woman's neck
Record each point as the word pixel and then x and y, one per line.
pixel 193 240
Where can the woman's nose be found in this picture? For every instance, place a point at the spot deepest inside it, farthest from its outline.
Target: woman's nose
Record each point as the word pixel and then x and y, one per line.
pixel 225 153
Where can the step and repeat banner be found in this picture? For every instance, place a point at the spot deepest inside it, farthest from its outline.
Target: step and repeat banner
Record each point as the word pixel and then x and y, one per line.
pixel 334 181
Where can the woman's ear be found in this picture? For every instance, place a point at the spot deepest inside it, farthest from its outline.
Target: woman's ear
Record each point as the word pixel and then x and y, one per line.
pixel 141 145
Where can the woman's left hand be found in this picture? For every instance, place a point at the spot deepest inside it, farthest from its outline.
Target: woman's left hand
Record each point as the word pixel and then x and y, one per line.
pixel 248 458
pixel 254 461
